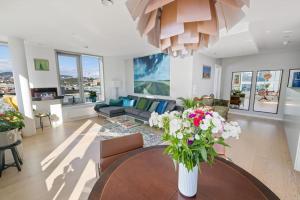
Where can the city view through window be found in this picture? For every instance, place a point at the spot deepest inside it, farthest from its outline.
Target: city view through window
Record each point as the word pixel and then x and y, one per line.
pixel 7 87
pixel 80 78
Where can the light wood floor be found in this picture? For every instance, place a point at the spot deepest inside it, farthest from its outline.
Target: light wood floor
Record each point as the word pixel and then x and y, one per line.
pixel 60 162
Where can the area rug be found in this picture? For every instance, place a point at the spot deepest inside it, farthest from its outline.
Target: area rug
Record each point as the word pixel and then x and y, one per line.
pixel 151 136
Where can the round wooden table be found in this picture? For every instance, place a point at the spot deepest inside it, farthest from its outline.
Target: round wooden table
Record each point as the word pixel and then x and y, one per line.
pixel 149 174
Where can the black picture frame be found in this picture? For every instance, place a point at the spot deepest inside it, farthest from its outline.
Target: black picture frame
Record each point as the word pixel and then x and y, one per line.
pixel 280 85
pixel 250 97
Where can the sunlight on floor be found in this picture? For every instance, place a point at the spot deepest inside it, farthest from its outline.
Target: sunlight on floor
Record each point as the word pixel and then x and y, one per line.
pixel 87 175
pixel 54 154
pixel 73 158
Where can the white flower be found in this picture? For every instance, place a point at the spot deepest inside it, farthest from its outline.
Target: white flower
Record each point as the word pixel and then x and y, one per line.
pixel 215 130
pixel 231 129
pixel 197 137
pixel 4 107
pixel 175 125
pixel 186 124
pixel 203 126
pixel 180 136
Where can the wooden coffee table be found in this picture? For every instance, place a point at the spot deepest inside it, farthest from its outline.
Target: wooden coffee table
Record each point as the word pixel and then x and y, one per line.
pixel 149 174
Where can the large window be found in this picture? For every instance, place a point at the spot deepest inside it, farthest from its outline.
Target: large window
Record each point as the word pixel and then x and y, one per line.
pixel 7 87
pixel 241 85
pixel 267 91
pixel 81 78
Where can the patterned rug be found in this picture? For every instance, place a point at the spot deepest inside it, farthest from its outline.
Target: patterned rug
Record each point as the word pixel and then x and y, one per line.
pixel 151 136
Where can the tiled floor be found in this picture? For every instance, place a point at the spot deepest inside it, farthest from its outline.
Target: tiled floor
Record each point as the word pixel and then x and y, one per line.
pixel 60 162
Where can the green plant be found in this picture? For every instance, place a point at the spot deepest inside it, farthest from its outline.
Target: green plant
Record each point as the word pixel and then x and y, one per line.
pixel 188 102
pixel 92 94
pixel 10 120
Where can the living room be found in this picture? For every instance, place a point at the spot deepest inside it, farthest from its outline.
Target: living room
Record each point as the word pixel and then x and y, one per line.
pixel 77 78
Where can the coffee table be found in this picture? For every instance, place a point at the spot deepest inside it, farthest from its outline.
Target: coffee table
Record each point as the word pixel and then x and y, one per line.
pixel 126 121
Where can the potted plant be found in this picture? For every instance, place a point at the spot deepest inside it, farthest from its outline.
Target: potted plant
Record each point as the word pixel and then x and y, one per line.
pixel 93 96
pixel 11 121
pixel 191 136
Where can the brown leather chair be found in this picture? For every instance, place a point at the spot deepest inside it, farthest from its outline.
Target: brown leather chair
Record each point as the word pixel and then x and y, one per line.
pixel 112 149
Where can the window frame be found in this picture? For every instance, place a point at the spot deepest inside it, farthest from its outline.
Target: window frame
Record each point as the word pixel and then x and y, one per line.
pixel 80 75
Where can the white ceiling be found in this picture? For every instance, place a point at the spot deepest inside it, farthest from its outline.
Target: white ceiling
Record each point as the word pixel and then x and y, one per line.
pixel 88 26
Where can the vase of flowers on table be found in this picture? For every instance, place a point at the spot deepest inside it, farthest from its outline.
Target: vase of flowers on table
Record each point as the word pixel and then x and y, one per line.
pixel 191 136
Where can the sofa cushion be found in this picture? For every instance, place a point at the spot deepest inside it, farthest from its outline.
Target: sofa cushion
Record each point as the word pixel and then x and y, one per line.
pixel 153 106
pixel 115 102
pixel 145 115
pixel 142 104
pixel 132 111
pixel 171 106
pixel 161 107
pixel 128 102
pixel 112 110
pixel 99 105
pixel 207 101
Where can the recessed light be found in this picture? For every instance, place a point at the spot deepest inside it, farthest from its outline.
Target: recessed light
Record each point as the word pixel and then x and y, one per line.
pixel 107 2
pixel 286 42
pixel 268 31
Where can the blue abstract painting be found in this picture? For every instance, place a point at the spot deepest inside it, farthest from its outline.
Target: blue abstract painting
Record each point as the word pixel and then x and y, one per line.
pixel 296 79
pixel 152 74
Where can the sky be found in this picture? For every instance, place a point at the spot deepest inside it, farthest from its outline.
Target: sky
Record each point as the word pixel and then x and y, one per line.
pixel 90 65
pixel 4 59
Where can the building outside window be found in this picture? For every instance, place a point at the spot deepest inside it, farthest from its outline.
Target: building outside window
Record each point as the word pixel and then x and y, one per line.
pixel 7 87
pixel 81 78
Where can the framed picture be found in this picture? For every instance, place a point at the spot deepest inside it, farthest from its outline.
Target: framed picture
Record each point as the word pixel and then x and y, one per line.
pixel 236 79
pixel 41 64
pixel 152 75
pixel 294 78
pixel 206 74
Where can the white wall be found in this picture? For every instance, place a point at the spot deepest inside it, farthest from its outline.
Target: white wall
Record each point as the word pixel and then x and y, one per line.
pixel 292 125
pixel 114 69
pixel 202 86
pixel 273 61
pixel 41 79
pixel 185 74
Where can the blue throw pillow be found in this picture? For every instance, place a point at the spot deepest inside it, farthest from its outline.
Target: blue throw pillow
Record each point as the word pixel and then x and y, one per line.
pixel 161 108
pixel 128 102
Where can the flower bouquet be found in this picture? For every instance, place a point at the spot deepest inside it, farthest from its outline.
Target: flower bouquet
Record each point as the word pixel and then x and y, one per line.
pixel 11 121
pixel 191 136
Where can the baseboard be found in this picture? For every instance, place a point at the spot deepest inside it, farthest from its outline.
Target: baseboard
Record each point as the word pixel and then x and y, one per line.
pixel 256 116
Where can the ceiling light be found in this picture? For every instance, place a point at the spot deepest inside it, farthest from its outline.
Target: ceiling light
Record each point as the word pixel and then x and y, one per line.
pixel 107 2
pixel 180 26
pixel 268 31
pixel 287 32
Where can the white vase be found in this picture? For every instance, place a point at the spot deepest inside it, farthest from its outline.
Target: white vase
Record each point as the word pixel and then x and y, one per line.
pixel 187 181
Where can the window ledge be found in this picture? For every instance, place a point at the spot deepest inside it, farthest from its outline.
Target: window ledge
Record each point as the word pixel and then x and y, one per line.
pixel 82 104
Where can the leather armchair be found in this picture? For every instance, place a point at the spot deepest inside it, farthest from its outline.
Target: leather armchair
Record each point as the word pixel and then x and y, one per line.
pixel 112 149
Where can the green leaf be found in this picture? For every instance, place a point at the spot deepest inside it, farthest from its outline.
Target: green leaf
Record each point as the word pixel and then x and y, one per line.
pixel 203 154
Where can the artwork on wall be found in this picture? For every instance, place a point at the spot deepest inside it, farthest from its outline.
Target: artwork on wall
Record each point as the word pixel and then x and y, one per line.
pixel 41 64
pixel 236 78
pixel 267 91
pixel 152 75
pixel 206 74
pixel 240 94
pixel 294 78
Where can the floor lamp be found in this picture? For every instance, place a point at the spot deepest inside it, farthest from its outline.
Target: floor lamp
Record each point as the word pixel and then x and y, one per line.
pixel 116 84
